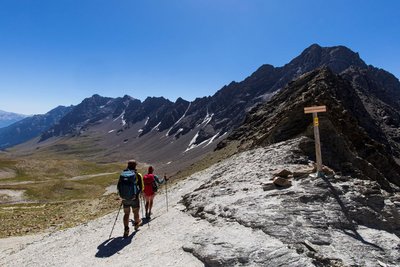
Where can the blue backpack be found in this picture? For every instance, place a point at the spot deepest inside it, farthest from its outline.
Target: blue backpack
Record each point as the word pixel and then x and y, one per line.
pixel 127 185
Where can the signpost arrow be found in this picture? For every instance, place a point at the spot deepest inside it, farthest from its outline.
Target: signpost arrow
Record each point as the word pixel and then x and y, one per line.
pixel 314 111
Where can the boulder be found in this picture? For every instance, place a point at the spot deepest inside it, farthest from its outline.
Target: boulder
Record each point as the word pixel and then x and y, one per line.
pixel 268 186
pixel 283 173
pixel 305 171
pixel 283 182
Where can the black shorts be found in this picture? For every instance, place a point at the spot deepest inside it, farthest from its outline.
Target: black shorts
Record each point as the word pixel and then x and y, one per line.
pixel 134 203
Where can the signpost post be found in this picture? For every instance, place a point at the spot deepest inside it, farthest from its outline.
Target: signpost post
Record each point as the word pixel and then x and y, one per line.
pixel 314 111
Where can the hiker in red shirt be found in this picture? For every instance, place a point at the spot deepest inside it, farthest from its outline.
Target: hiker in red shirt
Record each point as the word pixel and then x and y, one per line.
pixel 151 183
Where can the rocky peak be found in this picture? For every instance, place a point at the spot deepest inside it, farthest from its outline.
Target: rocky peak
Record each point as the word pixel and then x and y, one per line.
pixel 337 58
pixel 382 84
pixel 90 110
pixel 180 101
pixel 127 98
pixel 91 104
pixel 156 101
pixel 351 141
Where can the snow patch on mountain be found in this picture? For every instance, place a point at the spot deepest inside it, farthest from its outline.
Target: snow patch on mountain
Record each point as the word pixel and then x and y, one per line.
pixel 192 142
pixel 184 114
pixel 194 145
pixel 207 118
pixel 211 139
pixel 155 128
pixel 123 121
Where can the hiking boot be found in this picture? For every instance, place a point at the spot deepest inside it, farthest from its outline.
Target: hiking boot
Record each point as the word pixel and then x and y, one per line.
pixel 137 224
pixel 126 232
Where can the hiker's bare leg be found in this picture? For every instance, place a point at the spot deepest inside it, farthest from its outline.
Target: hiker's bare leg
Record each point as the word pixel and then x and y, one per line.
pixel 151 205
pixel 147 206
pixel 136 215
pixel 126 216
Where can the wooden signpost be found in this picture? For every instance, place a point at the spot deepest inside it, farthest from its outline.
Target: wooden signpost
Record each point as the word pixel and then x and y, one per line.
pixel 314 111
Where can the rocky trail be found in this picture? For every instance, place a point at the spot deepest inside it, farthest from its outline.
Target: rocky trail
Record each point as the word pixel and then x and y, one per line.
pixel 233 215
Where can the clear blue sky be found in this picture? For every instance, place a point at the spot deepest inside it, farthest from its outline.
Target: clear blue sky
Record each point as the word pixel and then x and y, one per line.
pixel 58 52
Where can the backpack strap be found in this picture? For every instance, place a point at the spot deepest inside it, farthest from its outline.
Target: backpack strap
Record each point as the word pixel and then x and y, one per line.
pixel 139 181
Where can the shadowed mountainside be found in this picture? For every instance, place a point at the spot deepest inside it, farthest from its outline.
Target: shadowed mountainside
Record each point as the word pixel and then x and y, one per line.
pixel 353 141
pixel 8 118
pixel 31 127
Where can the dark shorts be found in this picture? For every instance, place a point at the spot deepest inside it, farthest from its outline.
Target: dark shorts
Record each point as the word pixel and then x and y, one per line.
pixel 134 203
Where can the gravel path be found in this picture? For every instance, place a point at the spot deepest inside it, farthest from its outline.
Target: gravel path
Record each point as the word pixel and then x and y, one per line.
pixel 7 173
pixel 88 176
pixel 11 196
pixel 157 244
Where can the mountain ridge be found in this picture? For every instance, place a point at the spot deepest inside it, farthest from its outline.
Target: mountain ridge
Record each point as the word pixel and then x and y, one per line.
pixel 347 130
pixel 8 118
pixel 199 125
pixel 228 102
pixel 30 127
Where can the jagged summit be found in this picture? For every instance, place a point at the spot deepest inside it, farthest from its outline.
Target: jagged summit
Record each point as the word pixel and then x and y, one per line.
pixel 127 97
pixel 181 100
pixel 337 58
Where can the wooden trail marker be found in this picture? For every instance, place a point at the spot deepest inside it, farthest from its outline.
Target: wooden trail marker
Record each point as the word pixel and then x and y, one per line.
pixel 314 111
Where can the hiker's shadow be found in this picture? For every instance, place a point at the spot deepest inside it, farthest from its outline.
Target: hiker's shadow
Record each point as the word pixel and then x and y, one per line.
pixel 113 245
pixel 147 220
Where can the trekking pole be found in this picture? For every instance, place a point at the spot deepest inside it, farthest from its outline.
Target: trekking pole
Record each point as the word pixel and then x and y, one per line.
pixel 143 206
pixel 115 220
pixel 166 189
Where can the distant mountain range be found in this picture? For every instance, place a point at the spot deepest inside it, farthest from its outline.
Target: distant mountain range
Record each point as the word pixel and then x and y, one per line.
pixel 158 130
pixel 30 127
pixel 8 118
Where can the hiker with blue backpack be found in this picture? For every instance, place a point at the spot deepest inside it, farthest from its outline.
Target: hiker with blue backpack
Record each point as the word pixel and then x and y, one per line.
pixel 129 186
pixel 151 183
